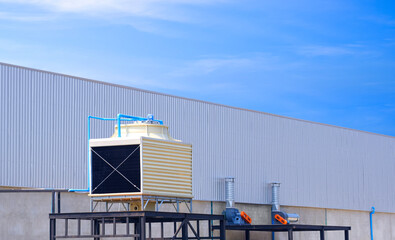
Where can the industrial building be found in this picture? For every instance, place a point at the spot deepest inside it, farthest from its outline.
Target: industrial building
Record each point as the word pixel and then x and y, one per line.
pixel 329 175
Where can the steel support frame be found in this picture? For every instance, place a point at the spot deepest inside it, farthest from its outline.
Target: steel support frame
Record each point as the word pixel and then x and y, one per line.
pixel 140 220
pixel 144 199
pixel 159 200
pixel 290 229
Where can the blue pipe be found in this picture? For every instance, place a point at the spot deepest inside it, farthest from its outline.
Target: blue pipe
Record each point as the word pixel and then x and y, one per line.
pixel 120 117
pixel 211 220
pixel 89 159
pixel 371 222
pixel 273 237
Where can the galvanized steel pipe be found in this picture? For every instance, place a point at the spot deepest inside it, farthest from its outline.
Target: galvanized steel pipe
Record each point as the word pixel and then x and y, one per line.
pixel 230 192
pixel 275 196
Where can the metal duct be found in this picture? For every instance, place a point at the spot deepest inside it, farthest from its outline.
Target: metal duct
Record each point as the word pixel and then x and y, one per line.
pixel 230 192
pixel 276 213
pixel 275 196
pixel 292 217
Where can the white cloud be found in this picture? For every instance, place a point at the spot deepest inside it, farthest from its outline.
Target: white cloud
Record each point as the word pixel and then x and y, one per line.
pixel 170 10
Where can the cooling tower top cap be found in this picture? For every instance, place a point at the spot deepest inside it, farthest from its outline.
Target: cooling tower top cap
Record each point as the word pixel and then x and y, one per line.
pixel 148 128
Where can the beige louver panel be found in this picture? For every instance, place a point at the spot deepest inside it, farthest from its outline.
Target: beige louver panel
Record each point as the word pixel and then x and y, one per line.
pixel 167 168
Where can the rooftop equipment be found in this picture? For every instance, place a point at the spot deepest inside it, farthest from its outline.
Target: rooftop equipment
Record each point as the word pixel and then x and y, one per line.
pixel 278 216
pixel 232 215
pixel 141 159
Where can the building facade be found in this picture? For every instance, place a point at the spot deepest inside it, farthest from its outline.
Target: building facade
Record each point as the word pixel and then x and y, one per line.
pixel 44 144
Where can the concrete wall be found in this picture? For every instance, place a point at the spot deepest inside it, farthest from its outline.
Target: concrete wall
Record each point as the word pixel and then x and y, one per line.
pixel 25 216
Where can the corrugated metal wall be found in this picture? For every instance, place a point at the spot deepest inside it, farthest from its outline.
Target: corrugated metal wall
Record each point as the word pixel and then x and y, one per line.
pixel 43 143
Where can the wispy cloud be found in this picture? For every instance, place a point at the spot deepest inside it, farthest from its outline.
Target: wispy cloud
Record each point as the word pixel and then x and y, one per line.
pixel 209 65
pixel 170 10
pixel 336 51
pixel 151 16
pixel 25 17
pixel 313 51
pixel 211 73
pixel 248 63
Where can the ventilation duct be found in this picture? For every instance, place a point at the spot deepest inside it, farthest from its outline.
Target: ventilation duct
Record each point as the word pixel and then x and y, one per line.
pixel 275 196
pixel 232 215
pixel 230 192
pixel 278 216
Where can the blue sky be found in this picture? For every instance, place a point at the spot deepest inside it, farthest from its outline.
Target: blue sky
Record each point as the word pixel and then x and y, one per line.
pixel 325 61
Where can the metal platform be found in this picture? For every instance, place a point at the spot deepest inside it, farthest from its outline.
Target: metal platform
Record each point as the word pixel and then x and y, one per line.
pixel 290 228
pixel 97 225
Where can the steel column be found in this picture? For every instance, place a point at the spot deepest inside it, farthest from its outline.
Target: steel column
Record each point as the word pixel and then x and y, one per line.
pixel 53 202
pixel 53 225
pixel 79 227
pixel 210 229
pixel 322 235
pixel 198 228
pixel 175 228
pixel 161 230
pixel 52 229
pixel 149 230
pixel 184 230
pixel 142 228
pixel 136 229
pixel 222 231
pixel 58 202
pixel 247 235
pixel 96 229
pixel 290 234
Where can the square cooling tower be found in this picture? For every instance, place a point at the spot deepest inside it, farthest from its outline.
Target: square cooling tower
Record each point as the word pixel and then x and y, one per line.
pixel 144 166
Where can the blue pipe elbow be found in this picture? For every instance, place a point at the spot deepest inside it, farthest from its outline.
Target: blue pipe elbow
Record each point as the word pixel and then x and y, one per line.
pixel 78 190
pixel 371 222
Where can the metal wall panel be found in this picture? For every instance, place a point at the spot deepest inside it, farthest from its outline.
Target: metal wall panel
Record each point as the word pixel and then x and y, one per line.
pixel 43 143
